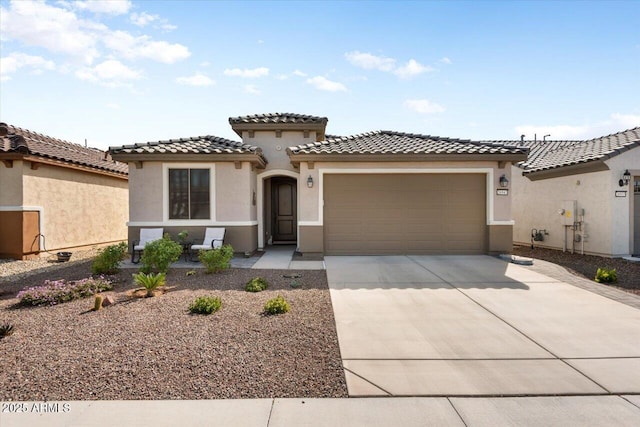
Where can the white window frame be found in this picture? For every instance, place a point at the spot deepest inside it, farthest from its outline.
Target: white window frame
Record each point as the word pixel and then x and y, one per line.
pixel 165 194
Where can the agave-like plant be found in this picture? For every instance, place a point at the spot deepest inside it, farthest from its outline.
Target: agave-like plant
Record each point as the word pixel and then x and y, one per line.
pixel 150 281
pixel 6 329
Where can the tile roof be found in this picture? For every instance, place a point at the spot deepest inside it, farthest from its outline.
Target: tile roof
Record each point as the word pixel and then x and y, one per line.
pixel 546 155
pixel 389 142
pixel 194 145
pixel 22 141
pixel 278 118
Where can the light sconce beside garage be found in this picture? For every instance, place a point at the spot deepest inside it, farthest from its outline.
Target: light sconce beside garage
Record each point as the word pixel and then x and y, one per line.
pixel 310 182
pixel 626 177
pixel 504 182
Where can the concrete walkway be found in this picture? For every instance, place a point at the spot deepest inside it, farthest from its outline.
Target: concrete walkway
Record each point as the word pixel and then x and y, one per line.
pixel 477 326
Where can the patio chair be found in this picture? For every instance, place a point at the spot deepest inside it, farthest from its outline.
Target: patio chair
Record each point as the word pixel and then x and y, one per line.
pixel 147 235
pixel 213 239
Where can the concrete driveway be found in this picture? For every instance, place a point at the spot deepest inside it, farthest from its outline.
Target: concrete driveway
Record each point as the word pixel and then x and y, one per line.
pixel 476 325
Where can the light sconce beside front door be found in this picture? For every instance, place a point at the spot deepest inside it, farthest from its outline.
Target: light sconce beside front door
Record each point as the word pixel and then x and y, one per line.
pixel 310 182
pixel 504 182
pixel 626 177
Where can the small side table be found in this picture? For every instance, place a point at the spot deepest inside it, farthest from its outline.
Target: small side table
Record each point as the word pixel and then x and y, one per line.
pixel 186 249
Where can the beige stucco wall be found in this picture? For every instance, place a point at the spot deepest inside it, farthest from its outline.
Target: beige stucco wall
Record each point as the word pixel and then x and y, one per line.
pixel 233 192
pixel 622 224
pixel 145 186
pixel 310 200
pixel 78 208
pixel 11 184
pixel 275 149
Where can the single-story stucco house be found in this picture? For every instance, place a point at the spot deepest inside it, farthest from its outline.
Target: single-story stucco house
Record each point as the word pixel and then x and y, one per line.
pixel 58 196
pixel 581 196
pixel 286 181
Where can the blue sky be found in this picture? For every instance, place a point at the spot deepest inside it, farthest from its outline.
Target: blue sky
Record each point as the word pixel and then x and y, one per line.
pixel 121 72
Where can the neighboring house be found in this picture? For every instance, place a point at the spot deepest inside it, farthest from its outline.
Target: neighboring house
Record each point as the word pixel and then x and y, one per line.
pixel 56 195
pixel 606 220
pixel 287 182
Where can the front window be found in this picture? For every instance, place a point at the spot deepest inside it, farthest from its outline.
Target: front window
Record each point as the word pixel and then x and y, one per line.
pixel 189 194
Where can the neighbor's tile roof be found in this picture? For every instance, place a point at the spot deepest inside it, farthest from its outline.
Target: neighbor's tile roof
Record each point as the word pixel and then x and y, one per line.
pixel 194 145
pixel 545 155
pixel 278 118
pixel 26 142
pixel 389 142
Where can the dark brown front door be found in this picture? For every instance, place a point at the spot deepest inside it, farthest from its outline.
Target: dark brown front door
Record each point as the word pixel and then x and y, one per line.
pixel 284 214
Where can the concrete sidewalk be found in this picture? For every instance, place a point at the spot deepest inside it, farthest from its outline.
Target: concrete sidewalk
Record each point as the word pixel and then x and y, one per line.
pixel 606 411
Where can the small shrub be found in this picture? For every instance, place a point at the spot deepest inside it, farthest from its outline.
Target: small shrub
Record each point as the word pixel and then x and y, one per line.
pixel 205 305
pixel 257 284
pixel 150 281
pixel 191 273
pixel 276 305
pixel 182 236
pixel 108 259
pixel 606 275
pixel 216 260
pixel 159 254
pixel 59 291
pixel 6 329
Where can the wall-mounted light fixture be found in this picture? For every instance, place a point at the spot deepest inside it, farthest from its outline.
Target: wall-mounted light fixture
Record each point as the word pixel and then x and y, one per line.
pixel 626 177
pixel 504 182
pixel 310 182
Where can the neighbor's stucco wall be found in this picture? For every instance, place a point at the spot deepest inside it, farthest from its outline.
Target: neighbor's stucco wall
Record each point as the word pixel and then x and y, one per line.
pixel 11 184
pixel 310 200
pixel 78 208
pixel 274 149
pixel 536 205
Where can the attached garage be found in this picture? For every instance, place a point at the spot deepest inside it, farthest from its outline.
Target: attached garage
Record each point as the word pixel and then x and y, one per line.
pixel 405 214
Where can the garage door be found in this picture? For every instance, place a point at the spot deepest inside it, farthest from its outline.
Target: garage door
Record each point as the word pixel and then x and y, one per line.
pixel 404 214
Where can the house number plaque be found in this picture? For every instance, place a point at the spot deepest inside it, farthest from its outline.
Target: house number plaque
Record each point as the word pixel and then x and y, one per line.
pixel 502 192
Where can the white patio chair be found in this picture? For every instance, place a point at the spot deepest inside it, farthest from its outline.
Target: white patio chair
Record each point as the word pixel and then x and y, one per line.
pixel 213 239
pixel 147 235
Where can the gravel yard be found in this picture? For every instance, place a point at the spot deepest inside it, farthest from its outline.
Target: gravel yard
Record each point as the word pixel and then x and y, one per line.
pixel 152 348
pixel 587 265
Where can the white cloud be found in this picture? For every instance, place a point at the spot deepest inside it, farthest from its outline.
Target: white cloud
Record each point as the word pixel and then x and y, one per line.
pixel 197 79
pixel 142 19
pixel 113 106
pixel 110 7
pixel 322 83
pixel 282 77
pixel 411 69
pixel 247 73
pixel 615 123
pixel 12 63
pixel 423 106
pixel 299 73
pixel 445 60
pixel 132 47
pixel 369 61
pixel 251 89
pixel 110 73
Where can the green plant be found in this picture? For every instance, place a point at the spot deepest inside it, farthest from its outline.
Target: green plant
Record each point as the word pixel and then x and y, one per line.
pixel 6 329
pixel 276 305
pixel 159 254
pixel 216 260
pixel 182 236
pixel 191 273
pixel 606 275
pixel 256 285
pixel 54 292
pixel 205 305
pixel 97 304
pixel 150 281
pixel 108 259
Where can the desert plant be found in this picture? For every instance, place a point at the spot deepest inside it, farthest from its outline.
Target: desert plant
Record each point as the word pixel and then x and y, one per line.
pixel 54 292
pixel 6 329
pixel 182 236
pixel 205 305
pixel 97 304
pixel 108 259
pixel 276 305
pixel 150 281
pixel 191 273
pixel 159 254
pixel 606 275
pixel 256 285
pixel 216 260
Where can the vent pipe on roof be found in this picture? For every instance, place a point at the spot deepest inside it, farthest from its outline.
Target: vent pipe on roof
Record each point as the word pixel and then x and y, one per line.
pixel 85 143
pixel 522 139
pixel 544 138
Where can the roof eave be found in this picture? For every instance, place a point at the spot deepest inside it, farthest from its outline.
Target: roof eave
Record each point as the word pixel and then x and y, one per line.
pixel 323 157
pixel 596 165
pixel 238 128
pixel 255 159
pixel 64 164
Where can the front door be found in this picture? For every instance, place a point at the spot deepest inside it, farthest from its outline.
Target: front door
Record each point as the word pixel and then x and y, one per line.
pixel 284 210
